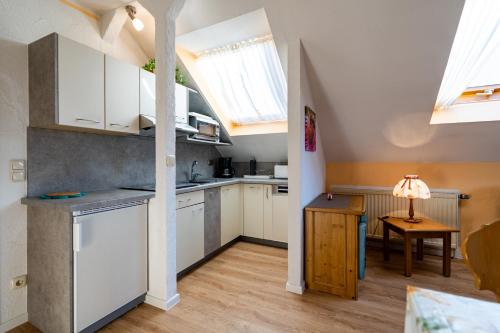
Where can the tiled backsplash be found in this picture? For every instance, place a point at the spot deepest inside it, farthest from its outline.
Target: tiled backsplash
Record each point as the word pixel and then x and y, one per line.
pixel 71 161
pixel 186 153
pixel 263 168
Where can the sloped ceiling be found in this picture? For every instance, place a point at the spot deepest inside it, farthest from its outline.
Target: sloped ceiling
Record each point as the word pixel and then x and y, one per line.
pixel 375 68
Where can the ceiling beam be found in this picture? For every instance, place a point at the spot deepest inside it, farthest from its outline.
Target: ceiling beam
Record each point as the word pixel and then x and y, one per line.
pixel 112 23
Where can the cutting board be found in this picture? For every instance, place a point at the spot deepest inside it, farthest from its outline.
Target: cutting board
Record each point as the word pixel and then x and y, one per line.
pixel 62 195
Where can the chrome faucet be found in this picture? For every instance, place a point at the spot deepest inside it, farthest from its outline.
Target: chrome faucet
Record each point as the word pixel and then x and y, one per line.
pixel 194 175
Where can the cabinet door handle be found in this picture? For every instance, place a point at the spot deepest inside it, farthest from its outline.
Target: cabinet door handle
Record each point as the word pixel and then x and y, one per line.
pixel 77 238
pixel 118 125
pixel 267 193
pixel 88 120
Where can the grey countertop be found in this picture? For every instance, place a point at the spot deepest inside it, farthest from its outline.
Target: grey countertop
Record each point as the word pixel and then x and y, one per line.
pixel 91 200
pixel 101 199
pixel 231 181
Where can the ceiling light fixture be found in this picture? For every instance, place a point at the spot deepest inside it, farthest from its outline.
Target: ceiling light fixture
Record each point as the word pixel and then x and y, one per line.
pixel 137 23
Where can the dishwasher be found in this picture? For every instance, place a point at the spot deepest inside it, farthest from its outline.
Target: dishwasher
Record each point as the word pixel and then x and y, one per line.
pixel 109 263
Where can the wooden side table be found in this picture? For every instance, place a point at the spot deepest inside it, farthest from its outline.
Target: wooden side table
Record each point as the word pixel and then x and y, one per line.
pixel 426 229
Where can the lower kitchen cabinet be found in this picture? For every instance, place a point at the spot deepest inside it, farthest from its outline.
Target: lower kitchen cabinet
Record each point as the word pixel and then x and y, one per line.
pixel 212 223
pixel 231 213
pixel 190 245
pixel 253 210
pixel 279 230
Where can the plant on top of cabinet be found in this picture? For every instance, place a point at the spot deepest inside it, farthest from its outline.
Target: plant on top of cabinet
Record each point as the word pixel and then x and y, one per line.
pixel 150 66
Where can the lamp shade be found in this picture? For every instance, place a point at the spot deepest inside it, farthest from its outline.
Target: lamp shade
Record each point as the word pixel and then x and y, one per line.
pixel 411 187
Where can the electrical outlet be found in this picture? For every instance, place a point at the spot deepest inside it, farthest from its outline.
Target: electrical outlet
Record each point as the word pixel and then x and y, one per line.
pixel 19 282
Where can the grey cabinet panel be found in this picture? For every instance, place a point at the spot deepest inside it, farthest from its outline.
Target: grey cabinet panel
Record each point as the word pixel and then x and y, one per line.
pixel 212 220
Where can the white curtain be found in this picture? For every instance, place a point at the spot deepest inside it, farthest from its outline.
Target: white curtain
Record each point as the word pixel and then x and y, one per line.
pixel 247 81
pixel 477 36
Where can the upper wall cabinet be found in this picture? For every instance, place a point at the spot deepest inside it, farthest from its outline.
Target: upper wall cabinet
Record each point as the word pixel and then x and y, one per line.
pixel 147 93
pixel 122 96
pixel 66 84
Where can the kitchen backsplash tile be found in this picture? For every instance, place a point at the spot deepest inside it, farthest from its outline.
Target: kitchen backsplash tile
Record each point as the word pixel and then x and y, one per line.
pixel 72 161
pixel 186 153
pixel 263 168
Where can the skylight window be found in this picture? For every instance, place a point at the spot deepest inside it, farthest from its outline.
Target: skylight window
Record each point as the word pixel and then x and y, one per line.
pixel 247 81
pixel 473 71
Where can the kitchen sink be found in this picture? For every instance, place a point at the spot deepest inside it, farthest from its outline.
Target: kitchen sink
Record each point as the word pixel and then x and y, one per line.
pixel 185 185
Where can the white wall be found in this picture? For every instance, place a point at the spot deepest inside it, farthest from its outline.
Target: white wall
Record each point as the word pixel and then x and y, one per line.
pixel 22 22
pixel 264 147
pixel 306 169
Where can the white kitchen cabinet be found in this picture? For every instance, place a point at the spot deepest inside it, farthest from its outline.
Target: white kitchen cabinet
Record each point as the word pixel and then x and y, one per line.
pixel 122 96
pixel 231 213
pixel 280 218
pixel 181 104
pixel 147 93
pixel 80 85
pixel 253 210
pixel 190 243
pixel 268 211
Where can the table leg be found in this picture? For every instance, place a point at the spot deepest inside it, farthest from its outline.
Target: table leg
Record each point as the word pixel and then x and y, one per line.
pixel 447 254
pixel 386 242
pixel 407 255
pixel 420 249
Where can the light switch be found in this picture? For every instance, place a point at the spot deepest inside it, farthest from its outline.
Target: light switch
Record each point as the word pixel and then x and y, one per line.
pixel 18 176
pixel 170 160
pixel 17 165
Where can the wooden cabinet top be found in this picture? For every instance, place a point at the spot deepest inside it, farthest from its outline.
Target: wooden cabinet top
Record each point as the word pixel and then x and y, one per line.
pixel 340 204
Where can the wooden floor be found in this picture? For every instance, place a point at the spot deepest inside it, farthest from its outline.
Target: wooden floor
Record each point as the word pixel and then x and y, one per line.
pixel 243 290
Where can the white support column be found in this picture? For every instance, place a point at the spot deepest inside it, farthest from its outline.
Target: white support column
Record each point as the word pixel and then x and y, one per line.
pixel 295 281
pixel 162 238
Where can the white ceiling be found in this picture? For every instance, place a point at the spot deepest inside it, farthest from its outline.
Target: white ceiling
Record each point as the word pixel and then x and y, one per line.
pixel 375 69
pixel 244 27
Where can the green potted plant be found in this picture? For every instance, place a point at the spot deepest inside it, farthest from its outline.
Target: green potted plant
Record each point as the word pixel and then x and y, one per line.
pixel 179 76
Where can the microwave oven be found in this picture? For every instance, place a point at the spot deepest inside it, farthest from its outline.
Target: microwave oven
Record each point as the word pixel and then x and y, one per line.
pixel 208 128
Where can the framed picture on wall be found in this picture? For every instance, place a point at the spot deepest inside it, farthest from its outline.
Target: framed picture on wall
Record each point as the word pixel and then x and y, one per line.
pixel 310 129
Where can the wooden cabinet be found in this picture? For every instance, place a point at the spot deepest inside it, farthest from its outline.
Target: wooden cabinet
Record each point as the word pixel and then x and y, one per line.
pixel 231 213
pixel 190 245
pixel 253 210
pixel 331 238
pixel 147 93
pixel 122 96
pixel 280 218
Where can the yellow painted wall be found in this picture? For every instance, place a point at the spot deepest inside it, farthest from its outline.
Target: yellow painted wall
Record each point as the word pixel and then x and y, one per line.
pixel 480 180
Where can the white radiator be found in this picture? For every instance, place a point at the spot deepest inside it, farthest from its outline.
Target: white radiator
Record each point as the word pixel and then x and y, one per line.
pixel 443 206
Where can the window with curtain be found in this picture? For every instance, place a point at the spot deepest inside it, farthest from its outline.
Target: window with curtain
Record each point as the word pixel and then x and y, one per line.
pixel 473 70
pixel 247 81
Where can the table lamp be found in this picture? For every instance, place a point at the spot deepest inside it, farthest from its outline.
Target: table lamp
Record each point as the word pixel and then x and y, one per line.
pixel 412 188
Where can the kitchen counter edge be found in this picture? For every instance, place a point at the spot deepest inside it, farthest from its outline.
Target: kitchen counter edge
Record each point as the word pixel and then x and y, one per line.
pixel 232 181
pixel 92 200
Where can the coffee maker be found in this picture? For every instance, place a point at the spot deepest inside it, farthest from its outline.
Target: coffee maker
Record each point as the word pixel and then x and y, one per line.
pixel 224 168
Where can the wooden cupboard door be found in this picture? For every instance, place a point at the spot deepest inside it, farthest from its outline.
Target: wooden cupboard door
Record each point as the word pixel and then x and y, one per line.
pixel 147 93
pixel 253 210
pixel 181 104
pixel 231 222
pixel 190 243
pixel 268 212
pixel 80 88
pixel 280 218
pixel 331 253
pixel 122 96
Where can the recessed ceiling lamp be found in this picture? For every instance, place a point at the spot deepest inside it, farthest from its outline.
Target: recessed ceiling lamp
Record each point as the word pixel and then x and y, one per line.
pixel 138 25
